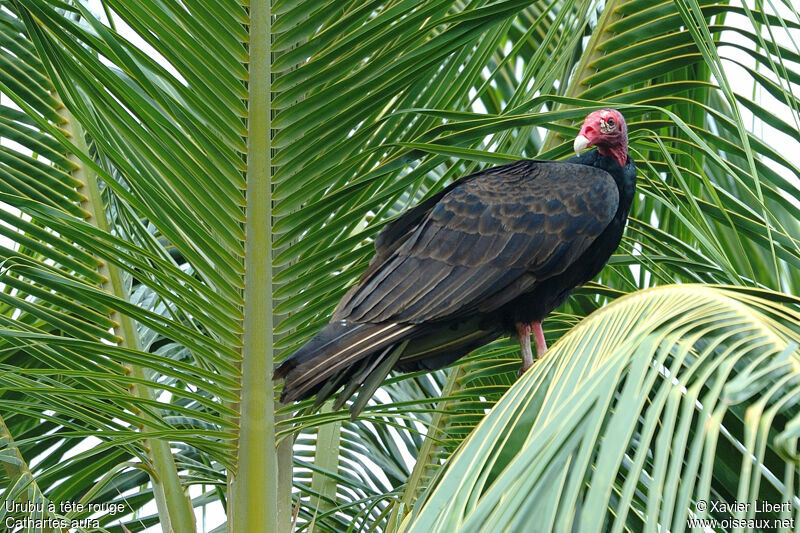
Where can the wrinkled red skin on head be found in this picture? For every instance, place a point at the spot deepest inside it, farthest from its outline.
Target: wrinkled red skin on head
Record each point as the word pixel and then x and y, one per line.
pixel 614 141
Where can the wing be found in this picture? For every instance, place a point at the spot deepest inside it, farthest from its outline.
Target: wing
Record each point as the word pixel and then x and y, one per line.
pixel 482 242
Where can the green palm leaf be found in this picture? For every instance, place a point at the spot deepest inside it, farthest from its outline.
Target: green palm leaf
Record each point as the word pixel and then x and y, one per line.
pixel 664 398
pixel 146 169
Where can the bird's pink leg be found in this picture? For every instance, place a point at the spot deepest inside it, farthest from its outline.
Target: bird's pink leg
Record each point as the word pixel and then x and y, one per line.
pixel 524 338
pixel 538 338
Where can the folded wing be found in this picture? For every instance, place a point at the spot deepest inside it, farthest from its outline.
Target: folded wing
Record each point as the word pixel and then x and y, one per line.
pixel 484 242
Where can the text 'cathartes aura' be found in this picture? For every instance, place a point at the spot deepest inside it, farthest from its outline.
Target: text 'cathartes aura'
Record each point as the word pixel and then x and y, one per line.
pixel 492 253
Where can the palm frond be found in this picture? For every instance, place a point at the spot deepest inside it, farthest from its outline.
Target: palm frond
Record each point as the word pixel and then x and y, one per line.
pixel 660 400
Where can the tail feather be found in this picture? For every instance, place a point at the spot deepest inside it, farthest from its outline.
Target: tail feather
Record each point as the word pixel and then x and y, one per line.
pixel 332 355
pixel 358 356
pixel 372 370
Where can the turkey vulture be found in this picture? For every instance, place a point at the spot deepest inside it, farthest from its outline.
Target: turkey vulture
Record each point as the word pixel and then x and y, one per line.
pixel 492 253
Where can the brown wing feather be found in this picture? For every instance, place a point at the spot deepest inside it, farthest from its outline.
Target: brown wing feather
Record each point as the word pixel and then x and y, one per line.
pixel 482 242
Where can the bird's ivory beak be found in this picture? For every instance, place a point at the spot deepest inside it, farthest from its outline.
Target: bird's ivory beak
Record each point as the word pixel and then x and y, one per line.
pixel 580 144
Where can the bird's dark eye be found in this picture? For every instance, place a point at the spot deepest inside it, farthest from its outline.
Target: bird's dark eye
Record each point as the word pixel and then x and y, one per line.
pixel 610 122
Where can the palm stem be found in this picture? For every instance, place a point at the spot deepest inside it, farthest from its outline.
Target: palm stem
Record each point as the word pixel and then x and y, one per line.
pixel 253 501
pixel 326 458
pixel 429 447
pixel 285 460
pixel 16 467
pixel 174 508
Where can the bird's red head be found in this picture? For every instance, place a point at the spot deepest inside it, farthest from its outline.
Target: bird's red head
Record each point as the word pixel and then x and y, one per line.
pixel 606 129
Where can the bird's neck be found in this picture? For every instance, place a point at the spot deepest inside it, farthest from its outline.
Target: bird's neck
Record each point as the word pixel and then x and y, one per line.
pixel 624 174
pixel 626 181
pixel 617 152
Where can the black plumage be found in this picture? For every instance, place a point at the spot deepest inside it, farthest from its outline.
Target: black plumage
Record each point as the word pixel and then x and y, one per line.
pixel 494 250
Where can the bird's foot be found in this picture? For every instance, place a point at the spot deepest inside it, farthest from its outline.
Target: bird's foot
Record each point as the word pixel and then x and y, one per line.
pixel 538 338
pixel 524 338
